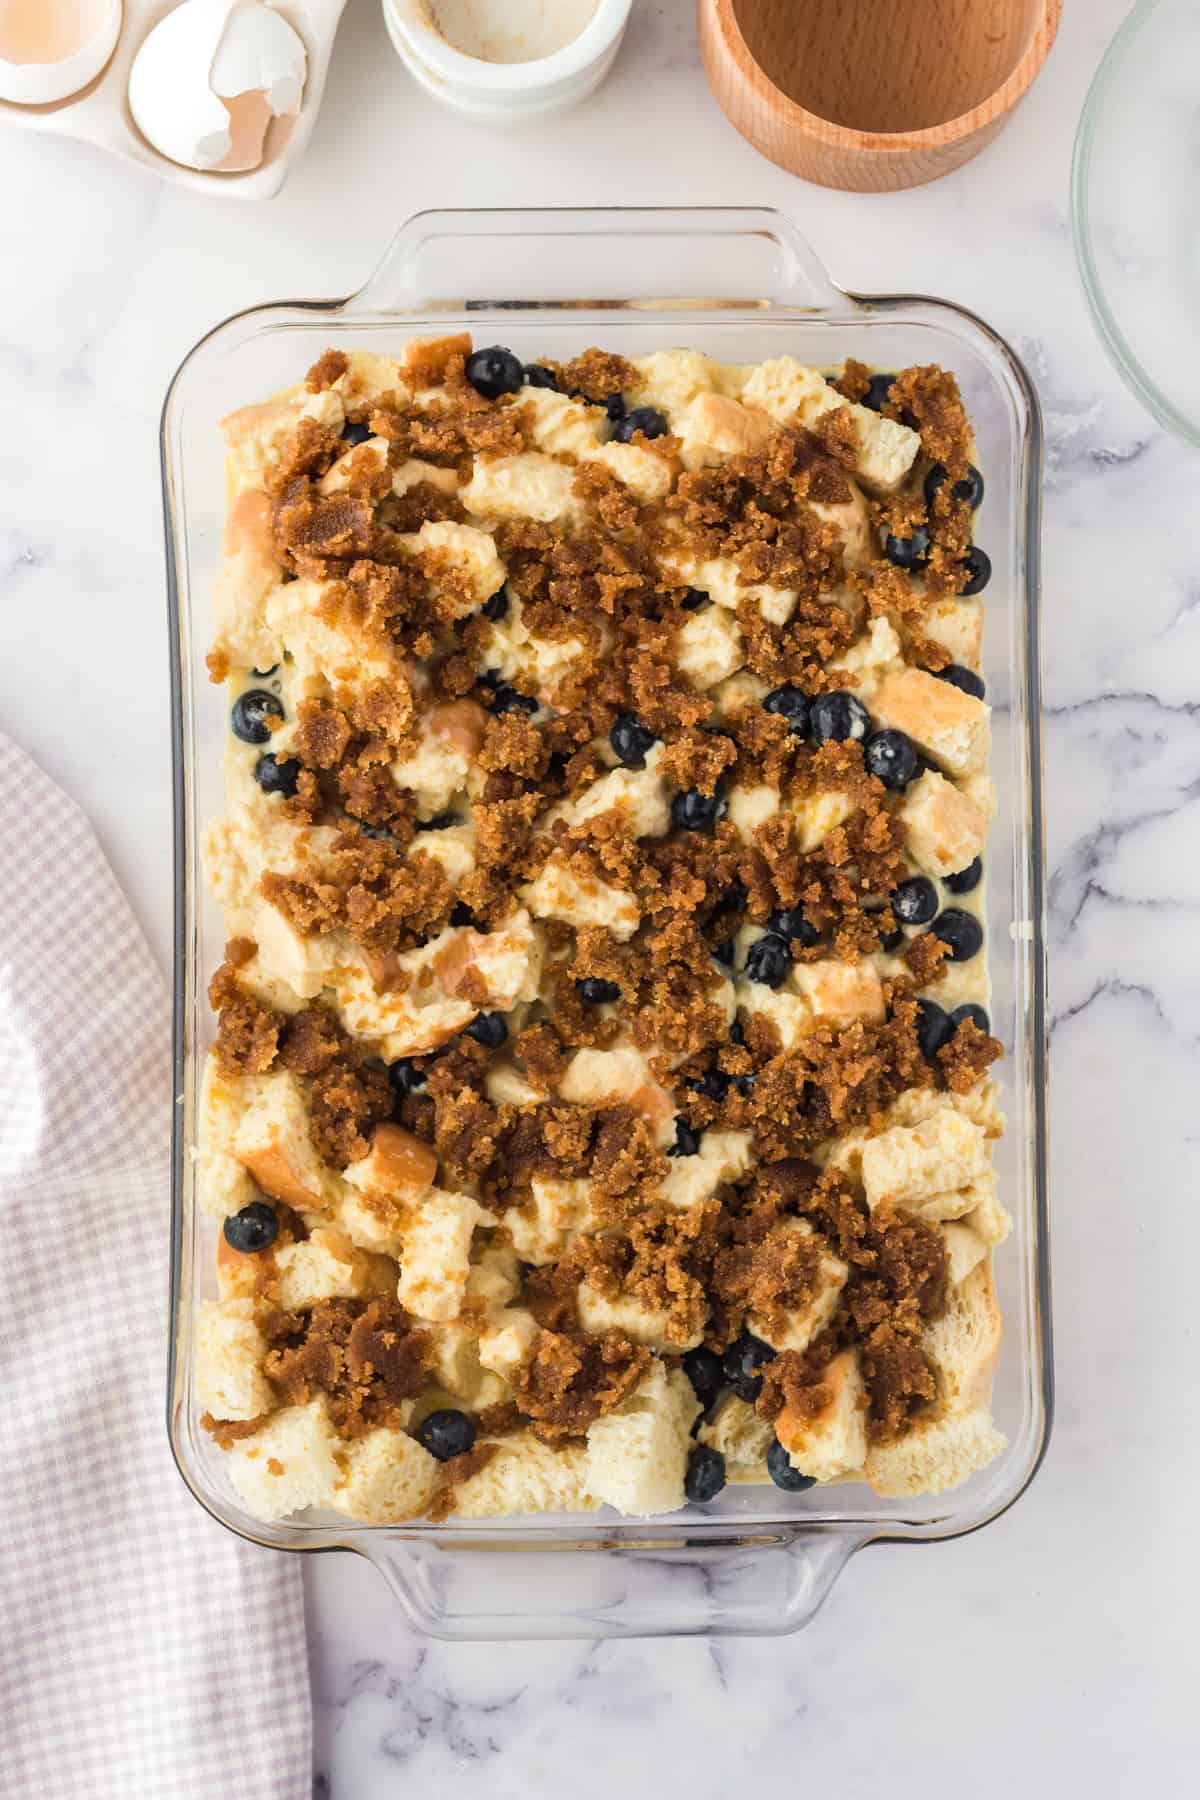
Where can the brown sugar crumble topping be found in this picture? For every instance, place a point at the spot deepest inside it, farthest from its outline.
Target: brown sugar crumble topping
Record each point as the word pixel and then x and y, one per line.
pixel 601 876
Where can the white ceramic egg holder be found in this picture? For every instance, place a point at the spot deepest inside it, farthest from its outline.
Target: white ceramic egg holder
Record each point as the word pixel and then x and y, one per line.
pixel 99 113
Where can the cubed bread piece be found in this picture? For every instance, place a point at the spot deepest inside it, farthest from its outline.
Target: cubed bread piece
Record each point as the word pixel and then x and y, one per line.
pixel 398 1165
pixel 650 1325
pixel 965 1249
pixel 723 1156
pixel 288 1465
pixel 742 1436
pixel 542 1228
pixel 494 1280
pixel 273 1143
pixel 616 1076
pixel 709 647
pixel 852 519
pixel 671 379
pixel 387 1477
pixel 641 794
pixel 455 1366
pixel 223 1184
pixel 427 356
pixel 533 664
pixel 789 1013
pixel 559 424
pixel 944 827
pixel 526 1476
pixel 435 1260
pixel 720 578
pixel 964 1343
pixel 871 657
pixel 250 570
pixel 230 1383
pixel 832 1442
pixel 840 991
pixel 327 1266
pixel 816 815
pixel 433 771
pixel 910 1163
pixel 794 394
pixel 506 1340
pixel 937 1454
pixel 637 1455
pixel 465 554
pixel 952 727
pixel 712 428
pixel 987 1216
pixel 529 485
pixel 750 807
pixel 957 625
pixel 644 472
pixel 559 893
pixel 799 1326
pixel 256 436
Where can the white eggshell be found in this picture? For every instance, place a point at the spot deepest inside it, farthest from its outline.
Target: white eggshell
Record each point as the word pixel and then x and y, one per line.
pixel 202 51
pixel 40 83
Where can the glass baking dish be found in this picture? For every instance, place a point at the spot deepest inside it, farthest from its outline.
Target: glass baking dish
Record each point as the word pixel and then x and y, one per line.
pixel 550 284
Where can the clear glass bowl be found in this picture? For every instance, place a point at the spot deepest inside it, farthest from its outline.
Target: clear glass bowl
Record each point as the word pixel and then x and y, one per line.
pixel 551 283
pixel 1135 200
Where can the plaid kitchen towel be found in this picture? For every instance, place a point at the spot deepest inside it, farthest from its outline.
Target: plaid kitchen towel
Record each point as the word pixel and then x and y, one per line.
pixel 145 1653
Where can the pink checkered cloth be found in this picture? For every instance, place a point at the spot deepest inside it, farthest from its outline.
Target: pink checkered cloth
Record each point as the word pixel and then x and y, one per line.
pixel 145 1653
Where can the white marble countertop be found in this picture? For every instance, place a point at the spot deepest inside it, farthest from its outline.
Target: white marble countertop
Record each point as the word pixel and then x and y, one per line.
pixel 1047 1650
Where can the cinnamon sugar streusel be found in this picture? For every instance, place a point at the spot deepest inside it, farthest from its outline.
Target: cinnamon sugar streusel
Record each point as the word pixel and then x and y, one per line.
pixel 606 790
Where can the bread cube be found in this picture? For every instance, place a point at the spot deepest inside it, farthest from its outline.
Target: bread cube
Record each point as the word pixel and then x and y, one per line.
pixel 559 893
pixel 937 1454
pixel 637 1455
pixel 838 991
pixel 526 1476
pixel 723 1156
pixel 386 1477
pixel 273 1143
pixel 742 1436
pixel 288 1465
pixel 909 1164
pixel 435 1259
pixel 230 1348
pixel 833 1442
pixel 644 1324
pixel 952 727
pixel 799 1328
pixel 327 1266
pixel 964 1344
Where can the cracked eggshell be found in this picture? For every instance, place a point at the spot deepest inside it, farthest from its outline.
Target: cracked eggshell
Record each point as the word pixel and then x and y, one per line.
pixel 210 77
pixel 25 37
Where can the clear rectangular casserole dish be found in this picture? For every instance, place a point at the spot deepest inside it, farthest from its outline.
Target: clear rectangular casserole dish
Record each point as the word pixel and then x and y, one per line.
pixel 757 1560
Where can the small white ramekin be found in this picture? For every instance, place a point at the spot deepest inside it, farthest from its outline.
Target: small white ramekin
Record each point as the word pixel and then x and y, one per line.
pixel 506 93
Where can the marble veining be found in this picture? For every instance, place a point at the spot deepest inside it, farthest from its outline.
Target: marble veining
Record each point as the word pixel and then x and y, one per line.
pixel 1046 1652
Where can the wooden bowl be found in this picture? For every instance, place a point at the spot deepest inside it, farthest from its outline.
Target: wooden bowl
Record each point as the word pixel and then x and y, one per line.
pixel 872 94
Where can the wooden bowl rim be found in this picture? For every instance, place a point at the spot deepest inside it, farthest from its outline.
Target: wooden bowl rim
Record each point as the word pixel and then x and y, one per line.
pixel 849 137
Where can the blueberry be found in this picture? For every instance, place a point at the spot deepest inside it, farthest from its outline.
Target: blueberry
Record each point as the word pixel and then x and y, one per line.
pixel 353 434
pixel 614 406
pixel 489 678
pixel 494 371
pixel 506 699
pixel 596 991
pixel 705 1474
pixel 768 960
pixel 780 1469
pixel 405 1077
pixel 890 757
pixel 687 1141
pixel 725 952
pixel 878 389
pixel 646 419
pixel 744 1083
pixel 933 1027
pixel 792 705
pixel 631 740
pixel 275 777
pixel 740 1363
pixel 915 901
pixel 489 1029
pixel 538 375
pixel 440 822
pixel 907 552
pixel 250 712
pixel 890 941
pixel 976 1014
pixel 960 931
pixel 446 1433
pixel 966 680
pixel 462 915
pixel 254 1228
pixel 978 566
pixel 713 1084
pixel 836 717
pixel 703 1369
pixel 693 600
pixel 791 923
pixel 969 490
pixel 737 1033
pixel 693 811
pixel 967 878
pixel 497 606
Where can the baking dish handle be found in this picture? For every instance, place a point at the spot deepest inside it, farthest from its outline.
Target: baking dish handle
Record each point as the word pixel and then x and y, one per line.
pixel 582 258
pixel 764 1588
